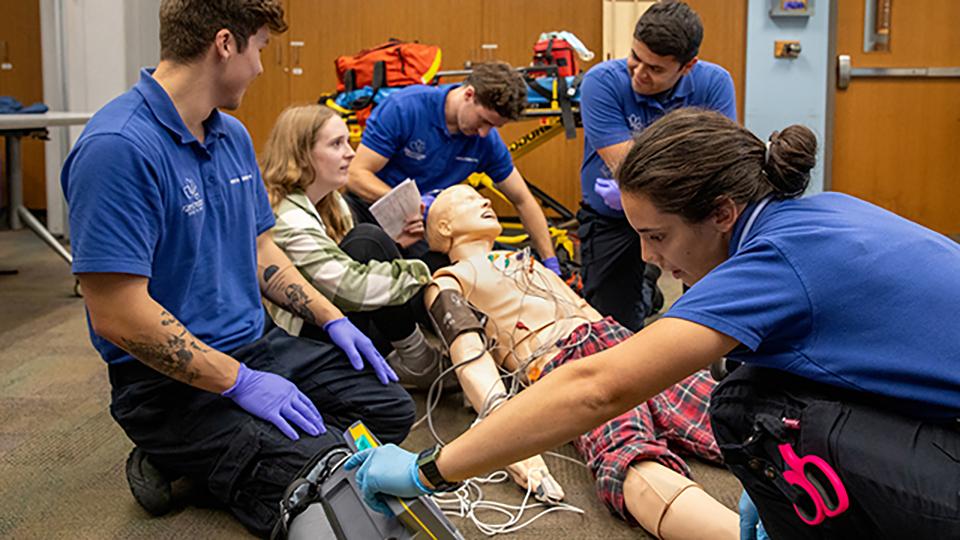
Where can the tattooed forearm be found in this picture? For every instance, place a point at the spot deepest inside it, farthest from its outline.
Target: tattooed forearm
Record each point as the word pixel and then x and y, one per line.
pixel 278 288
pixel 172 356
pixel 298 303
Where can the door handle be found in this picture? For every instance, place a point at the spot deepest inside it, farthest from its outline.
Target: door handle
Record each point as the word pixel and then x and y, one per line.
pixel 846 71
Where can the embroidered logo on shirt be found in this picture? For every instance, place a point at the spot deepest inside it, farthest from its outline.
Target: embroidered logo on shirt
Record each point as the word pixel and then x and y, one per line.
pixel 192 193
pixel 636 123
pixel 468 159
pixel 415 150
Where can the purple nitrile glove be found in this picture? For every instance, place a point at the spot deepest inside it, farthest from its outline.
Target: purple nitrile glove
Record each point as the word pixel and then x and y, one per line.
pixel 276 400
pixel 386 469
pixel 427 200
pixel 609 191
pixel 553 264
pixel 349 338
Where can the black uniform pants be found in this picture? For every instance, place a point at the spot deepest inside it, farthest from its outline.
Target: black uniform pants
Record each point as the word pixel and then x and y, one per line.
pixel 902 475
pixel 364 243
pixel 245 462
pixel 616 281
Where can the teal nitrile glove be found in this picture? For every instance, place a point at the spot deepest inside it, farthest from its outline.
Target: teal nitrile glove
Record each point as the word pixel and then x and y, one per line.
pixel 387 469
pixel 349 338
pixel 750 526
pixel 609 191
pixel 553 264
pixel 274 399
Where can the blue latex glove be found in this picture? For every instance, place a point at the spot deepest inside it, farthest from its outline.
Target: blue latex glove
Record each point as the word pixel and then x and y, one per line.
pixel 276 400
pixel 386 469
pixel 750 526
pixel 349 338
pixel 609 191
pixel 553 264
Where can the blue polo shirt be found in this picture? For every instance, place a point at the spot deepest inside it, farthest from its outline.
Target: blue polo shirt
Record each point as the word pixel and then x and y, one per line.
pixel 410 130
pixel 613 113
pixel 842 292
pixel 147 198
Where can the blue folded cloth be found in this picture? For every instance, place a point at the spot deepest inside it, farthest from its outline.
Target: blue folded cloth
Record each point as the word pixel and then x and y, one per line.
pixel 9 105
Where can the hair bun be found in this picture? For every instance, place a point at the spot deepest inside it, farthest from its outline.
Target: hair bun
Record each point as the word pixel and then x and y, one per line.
pixel 791 155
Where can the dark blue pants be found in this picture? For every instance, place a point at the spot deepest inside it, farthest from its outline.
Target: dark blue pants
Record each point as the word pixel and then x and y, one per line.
pixel 902 475
pixel 244 462
pixel 616 281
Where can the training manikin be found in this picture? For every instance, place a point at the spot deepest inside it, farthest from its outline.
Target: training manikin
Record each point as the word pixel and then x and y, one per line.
pixel 535 323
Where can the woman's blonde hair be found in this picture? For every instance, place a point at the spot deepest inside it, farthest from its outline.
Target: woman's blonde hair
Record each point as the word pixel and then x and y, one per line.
pixel 286 165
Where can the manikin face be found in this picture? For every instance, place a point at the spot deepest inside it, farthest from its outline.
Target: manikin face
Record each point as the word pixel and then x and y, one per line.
pixel 331 156
pixel 474 119
pixel 686 250
pixel 464 214
pixel 651 73
pixel 239 69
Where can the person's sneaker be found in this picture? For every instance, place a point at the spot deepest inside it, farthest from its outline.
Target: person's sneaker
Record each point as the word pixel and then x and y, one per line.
pixel 147 484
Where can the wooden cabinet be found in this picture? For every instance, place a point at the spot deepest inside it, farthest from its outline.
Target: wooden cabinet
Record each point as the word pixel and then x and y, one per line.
pixel 21 76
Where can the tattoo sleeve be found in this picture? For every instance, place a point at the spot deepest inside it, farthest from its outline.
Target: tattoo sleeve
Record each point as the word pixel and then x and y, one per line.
pixel 171 354
pixel 289 295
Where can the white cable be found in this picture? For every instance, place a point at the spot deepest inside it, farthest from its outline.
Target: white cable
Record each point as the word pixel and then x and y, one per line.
pixel 466 501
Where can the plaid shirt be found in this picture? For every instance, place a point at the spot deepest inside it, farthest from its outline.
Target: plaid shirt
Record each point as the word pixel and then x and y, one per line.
pixel 350 285
pixel 675 420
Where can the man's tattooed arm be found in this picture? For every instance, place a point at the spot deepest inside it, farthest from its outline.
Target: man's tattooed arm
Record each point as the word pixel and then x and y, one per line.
pixel 171 355
pixel 282 284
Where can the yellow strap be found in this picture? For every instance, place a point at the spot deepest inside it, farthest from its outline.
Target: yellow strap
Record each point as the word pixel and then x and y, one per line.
pixel 434 68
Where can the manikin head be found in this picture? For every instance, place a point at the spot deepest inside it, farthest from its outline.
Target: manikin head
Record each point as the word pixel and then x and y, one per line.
pixel 689 176
pixel 459 215
pixel 225 37
pixel 492 95
pixel 666 41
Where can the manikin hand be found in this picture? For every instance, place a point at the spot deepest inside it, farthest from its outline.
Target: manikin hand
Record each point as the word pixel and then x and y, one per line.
pixel 609 191
pixel 349 338
pixel 276 400
pixel 386 469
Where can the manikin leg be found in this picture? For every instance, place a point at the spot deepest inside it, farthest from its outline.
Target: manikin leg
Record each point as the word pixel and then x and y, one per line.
pixel 481 382
pixel 673 507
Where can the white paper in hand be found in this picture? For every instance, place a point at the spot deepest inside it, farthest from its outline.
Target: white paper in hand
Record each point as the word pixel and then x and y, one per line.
pixel 394 209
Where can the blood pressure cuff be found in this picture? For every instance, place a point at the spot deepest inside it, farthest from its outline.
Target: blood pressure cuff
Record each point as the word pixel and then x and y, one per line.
pixel 453 315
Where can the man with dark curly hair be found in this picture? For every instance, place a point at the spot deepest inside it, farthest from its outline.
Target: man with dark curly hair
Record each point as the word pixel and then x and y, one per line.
pixel 440 135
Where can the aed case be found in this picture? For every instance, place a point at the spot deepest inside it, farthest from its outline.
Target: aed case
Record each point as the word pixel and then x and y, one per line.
pixel 342 514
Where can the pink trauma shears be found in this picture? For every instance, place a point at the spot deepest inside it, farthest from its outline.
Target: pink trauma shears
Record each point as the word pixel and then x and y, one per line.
pixel 825 493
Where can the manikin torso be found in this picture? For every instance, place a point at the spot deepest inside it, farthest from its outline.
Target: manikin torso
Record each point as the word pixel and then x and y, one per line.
pixel 529 308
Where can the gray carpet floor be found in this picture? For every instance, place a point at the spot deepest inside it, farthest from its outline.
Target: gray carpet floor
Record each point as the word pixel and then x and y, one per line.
pixel 62 456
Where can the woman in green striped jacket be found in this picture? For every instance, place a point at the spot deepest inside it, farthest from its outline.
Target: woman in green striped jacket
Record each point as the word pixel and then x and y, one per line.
pixel 359 268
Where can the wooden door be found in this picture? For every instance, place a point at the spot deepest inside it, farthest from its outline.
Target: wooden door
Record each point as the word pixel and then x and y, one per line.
pixel 270 92
pixel 21 76
pixel 896 140
pixel 725 39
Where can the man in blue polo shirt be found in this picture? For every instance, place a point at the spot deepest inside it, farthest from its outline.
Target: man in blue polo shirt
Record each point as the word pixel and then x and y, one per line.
pixel 172 245
pixel 620 98
pixel 440 135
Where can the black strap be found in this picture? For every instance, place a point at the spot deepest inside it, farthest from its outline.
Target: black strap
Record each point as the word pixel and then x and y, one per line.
pixel 379 81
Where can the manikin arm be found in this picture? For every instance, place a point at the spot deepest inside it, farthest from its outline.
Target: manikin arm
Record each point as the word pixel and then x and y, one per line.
pixel 590 391
pixel 480 378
